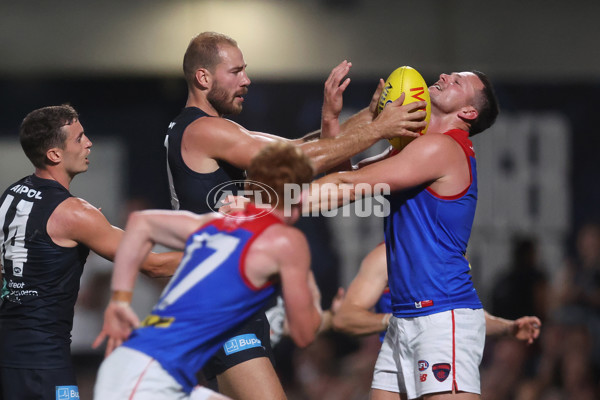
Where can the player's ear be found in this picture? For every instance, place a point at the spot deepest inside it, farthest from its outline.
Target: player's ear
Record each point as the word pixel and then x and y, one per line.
pixel 468 113
pixel 203 78
pixel 54 155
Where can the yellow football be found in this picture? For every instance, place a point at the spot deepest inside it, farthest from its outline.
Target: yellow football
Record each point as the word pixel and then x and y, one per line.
pixel 408 80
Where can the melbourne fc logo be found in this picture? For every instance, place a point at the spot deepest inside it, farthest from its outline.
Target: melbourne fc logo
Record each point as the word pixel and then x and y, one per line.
pixel 230 193
pixel 441 371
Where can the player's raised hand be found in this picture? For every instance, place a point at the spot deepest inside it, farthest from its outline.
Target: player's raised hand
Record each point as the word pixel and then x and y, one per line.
pixel 119 321
pixel 333 100
pixel 398 119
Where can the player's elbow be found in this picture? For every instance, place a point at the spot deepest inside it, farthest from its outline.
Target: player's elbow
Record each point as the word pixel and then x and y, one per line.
pixel 305 333
pixel 303 339
pixel 152 271
pixel 160 265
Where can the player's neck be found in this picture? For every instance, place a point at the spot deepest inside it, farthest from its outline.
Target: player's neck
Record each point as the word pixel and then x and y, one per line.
pixel 441 123
pixel 199 100
pixel 55 174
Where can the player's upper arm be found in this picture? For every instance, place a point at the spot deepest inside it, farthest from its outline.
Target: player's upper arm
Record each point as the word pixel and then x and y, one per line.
pixel 369 283
pixel 421 162
pixel 77 221
pixel 166 227
pixel 302 312
pixel 222 139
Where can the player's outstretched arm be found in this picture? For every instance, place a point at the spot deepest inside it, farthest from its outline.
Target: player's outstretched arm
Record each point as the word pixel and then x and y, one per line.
pixel 221 139
pixel 423 161
pixel 144 229
pixel 526 329
pixel 77 221
pixel 394 121
pixel 355 316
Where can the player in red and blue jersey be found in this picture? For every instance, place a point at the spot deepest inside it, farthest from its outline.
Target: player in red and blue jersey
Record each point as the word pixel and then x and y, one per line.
pixel 433 185
pixel 229 271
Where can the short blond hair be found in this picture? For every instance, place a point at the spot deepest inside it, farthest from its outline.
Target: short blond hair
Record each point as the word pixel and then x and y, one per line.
pixel 203 52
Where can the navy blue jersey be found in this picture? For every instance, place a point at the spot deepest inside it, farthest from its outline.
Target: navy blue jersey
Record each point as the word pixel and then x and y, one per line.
pixel 40 278
pixel 191 190
pixel 208 298
pixel 426 237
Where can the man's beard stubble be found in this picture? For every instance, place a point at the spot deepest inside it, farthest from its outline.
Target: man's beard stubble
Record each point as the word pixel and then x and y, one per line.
pixel 218 98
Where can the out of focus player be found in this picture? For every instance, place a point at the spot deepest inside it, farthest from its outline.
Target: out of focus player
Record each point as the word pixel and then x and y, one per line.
pixel 231 267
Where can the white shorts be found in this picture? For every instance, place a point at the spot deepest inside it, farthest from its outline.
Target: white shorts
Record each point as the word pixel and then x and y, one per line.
pixel 432 354
pixel 129 375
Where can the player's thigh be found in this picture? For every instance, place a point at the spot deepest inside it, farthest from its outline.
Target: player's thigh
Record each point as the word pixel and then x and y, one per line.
pixel 386 375
pixel 130 374
pixel 379 394
pixel 38 384
pixel 249 342
pixel 450 396
pixel 252 379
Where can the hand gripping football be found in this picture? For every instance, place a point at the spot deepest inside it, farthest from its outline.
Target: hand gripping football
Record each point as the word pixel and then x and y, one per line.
pixel 408 80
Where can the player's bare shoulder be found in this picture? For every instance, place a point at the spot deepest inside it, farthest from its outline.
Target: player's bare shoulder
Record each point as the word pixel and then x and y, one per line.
pixel 213 128
pixel 284 241
pixel 71 216
pixel 432 144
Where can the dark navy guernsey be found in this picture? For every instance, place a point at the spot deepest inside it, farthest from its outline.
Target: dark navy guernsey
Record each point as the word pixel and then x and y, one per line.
pixel 191 190
pixel 40 278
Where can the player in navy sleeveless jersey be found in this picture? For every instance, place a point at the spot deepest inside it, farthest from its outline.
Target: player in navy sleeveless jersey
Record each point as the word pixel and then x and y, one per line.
pixel 207 154
pixel 433 185
pixel 231 267
pixel 45 237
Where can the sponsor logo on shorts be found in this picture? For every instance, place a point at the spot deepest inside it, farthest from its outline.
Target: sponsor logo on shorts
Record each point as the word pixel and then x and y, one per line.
pixel 241 343
pixel 424 303
pixel 67 392
pixel 441 371
pixel 423 377
pixel 423 365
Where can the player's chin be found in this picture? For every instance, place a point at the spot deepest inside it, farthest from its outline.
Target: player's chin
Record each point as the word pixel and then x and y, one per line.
pixel 236 108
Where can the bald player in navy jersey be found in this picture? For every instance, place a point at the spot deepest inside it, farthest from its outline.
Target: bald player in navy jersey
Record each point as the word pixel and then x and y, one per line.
pixel 206 152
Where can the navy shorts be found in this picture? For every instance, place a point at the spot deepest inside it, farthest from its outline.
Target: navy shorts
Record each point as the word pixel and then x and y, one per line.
pixel 252 340
pixel 38 384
